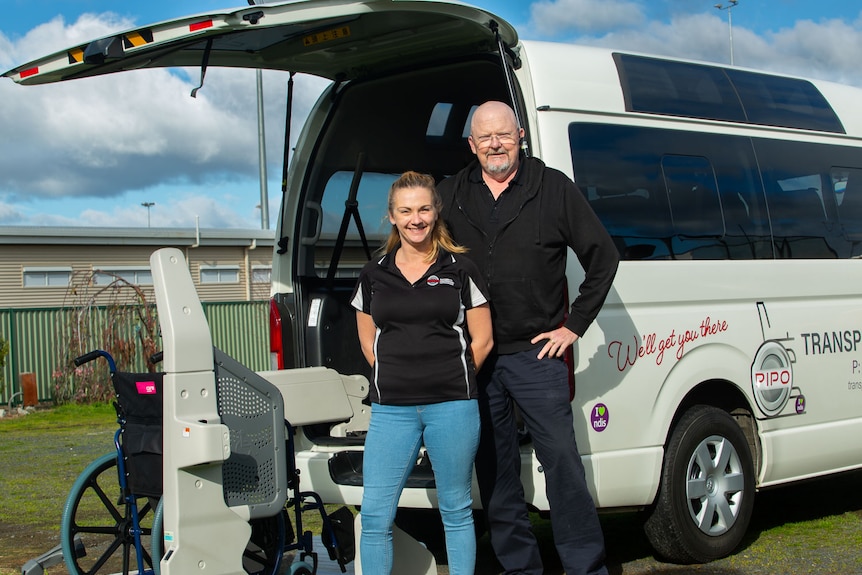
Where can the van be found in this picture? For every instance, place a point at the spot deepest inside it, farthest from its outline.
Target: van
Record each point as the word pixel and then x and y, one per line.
pixel 728 356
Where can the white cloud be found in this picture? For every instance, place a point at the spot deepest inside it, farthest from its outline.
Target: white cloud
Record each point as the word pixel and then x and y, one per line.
pixel 106 137
pixel 187 211
pixel 827 49
pixel 824 50
pixel 55 35
pixel 550 17
pixel 10 215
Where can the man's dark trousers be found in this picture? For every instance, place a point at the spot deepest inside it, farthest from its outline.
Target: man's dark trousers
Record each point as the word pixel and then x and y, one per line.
pixel 541 390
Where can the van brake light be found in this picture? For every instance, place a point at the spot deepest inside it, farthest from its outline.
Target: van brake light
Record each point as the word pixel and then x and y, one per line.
pixel 276 340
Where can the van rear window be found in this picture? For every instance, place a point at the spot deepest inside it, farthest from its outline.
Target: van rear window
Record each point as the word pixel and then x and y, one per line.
pixel 655 86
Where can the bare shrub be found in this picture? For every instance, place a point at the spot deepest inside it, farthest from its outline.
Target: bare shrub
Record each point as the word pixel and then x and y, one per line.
pixel 104 311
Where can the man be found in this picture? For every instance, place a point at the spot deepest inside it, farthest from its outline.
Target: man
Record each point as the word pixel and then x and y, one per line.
pixel 517 217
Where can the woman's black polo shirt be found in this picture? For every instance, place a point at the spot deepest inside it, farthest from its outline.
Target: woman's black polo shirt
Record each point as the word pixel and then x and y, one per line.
pixel 421 346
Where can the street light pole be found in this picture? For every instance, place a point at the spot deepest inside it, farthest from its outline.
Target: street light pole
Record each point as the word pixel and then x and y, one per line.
pixel 148 205
pixel 261 145
pixel 729 9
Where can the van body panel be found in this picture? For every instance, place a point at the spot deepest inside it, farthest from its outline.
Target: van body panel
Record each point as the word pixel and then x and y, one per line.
pixel 590 81
pixel 842 97
pixel 620 362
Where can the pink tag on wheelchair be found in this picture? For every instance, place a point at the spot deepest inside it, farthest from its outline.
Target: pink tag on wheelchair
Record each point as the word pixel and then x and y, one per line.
pixel 146 387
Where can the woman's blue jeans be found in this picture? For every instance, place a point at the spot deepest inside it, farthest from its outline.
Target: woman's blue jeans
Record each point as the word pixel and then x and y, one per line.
pixel 450 433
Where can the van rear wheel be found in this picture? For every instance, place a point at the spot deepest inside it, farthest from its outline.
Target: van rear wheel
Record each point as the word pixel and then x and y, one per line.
pixel 706 495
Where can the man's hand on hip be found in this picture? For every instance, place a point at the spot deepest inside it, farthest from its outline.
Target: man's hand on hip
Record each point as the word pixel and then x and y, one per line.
pixel 558 342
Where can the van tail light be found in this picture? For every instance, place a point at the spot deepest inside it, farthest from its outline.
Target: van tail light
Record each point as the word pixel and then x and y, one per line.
pixel 276 339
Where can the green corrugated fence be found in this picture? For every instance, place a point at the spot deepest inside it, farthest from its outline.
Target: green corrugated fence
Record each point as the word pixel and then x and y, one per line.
pixel 38 338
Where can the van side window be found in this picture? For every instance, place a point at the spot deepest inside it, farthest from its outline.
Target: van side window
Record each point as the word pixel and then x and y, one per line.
pixel 674 194
pixel 659 200
pixel 776 101
pixel 438 119
pixel 847 191
pixel 656 86
pixel 449 124
pixel 371 198
pixel 803 215
pixel 677 89
pixel 692 193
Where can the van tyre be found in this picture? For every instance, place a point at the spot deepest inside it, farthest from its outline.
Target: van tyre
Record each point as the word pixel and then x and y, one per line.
pixel 707 489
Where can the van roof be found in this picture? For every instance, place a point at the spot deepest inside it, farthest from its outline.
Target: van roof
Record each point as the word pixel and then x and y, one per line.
pixel 595 80
pixel 335 39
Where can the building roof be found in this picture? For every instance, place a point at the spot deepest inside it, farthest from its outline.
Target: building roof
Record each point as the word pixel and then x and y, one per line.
pixel 35 235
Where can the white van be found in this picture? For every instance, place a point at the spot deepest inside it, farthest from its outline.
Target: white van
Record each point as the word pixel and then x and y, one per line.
pixel 728 357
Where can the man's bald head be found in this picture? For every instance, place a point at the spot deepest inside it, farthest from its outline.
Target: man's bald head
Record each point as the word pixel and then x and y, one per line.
pixel 494 138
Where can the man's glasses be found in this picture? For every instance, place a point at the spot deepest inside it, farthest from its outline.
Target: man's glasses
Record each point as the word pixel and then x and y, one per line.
pixel 487 141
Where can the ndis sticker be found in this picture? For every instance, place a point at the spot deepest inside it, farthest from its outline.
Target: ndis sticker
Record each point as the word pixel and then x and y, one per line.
pixel 599 417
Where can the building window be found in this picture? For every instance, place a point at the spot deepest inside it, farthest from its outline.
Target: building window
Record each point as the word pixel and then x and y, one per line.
pixel 261 274
pixel 133 275
pixel 47 277
pixel 219 274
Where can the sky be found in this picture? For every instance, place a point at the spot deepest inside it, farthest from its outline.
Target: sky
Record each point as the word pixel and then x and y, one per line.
pixel 141 152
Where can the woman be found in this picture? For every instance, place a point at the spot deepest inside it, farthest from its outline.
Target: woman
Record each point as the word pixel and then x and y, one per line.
pixel 425 327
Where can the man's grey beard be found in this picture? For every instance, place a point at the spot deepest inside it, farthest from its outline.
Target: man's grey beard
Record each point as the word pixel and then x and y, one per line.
pixel 497 169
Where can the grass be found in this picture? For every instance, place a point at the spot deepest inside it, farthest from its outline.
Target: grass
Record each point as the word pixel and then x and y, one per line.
pixel 41 455
pixel 811 528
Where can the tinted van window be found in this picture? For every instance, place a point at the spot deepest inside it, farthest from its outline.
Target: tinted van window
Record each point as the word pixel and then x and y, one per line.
pixel 671 88
pixel 798 181
pixel 677 89
pixel 670 194
pixel 775 101
pixel 847 190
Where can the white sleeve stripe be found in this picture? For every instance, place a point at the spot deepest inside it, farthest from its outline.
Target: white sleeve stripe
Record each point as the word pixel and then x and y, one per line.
pixel 465 368
pixel 357 300
pixel 476 296
pixel 376 364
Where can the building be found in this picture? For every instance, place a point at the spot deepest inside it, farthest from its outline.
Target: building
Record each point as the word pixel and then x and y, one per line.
pixel 39 265
pixel 46 273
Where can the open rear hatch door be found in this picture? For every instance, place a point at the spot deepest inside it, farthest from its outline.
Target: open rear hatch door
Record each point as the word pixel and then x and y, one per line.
pixel 337 39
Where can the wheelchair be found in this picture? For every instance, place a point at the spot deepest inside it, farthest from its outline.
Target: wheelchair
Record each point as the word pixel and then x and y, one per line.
pixel 112 518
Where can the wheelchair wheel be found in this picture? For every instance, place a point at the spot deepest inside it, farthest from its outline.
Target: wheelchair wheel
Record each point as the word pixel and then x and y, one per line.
pixel 97 512
pixel 264 550
pixel 262 555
